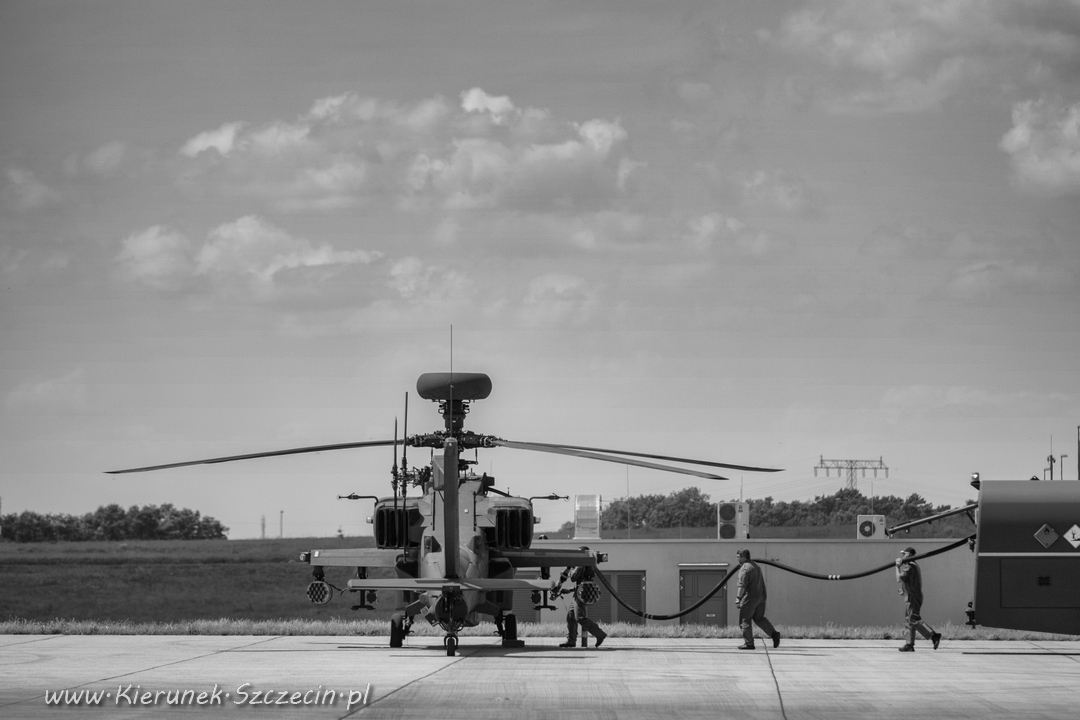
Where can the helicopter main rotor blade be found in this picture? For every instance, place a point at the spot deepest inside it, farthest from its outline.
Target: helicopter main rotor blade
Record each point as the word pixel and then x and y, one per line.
pixel 272 453
pixel 561 450
pixel 748 468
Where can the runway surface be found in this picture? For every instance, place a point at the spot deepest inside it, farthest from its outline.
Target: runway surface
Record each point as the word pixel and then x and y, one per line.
pixel 149 676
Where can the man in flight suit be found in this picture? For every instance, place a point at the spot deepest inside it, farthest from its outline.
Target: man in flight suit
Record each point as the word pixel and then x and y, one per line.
pixel 910 578
pixel 750 599
pixel 578 614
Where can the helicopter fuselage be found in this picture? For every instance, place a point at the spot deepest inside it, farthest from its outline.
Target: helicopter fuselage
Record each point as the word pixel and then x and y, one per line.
pixel 448 549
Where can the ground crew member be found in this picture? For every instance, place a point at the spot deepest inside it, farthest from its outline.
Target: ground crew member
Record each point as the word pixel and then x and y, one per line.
pixel 910 578
pixel 578 613
pixel 750 599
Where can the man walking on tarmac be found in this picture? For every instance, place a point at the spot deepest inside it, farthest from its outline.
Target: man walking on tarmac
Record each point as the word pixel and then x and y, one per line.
pixel 910 578
pixel 578 614
pixel 750 599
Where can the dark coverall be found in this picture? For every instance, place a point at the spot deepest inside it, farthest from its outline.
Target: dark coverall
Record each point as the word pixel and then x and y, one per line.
pixel 910 578
pixel 750 599
pixel 578 614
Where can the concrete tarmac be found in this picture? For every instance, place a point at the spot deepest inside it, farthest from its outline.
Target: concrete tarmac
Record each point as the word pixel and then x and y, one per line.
pixel 338 677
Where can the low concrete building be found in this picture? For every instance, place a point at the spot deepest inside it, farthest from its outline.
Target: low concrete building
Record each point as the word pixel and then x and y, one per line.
pixel 661 577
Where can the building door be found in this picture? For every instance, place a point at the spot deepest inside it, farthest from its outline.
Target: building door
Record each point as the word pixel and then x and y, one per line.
pixel 694 584
pixel 630 585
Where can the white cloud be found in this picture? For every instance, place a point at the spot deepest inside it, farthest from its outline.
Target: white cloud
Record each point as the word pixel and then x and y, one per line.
pixel 106 160
pixel 627 167
pixel 223 140
pixel 715 232
pixel 706 230
pixel 488 172
pixel 918 262
pixel 782 190
pixel 278 138
pixel 1044 145
pixel 993 277
pixel 157 257
pixel 334 185
pixel 425 285
pixel 249 254
pixel 252 248
pixel 421 295
pixel 62 394
pixel 487 153
pixel 601 135
pixel 12 260
pixel 963 399
pixel 558 299
pixel 912 56
pixel 516 233
pixel 25 193
pixel 476 100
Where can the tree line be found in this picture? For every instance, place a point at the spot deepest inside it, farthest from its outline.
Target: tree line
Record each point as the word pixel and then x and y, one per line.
pixel 844 507
pixel 112 522
pixel 692 508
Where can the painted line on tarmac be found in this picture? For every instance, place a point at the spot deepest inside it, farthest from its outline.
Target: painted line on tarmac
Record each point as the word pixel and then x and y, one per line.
pixel 145 669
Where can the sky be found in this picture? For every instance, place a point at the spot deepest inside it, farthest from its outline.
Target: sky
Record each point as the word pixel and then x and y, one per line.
pixel 768 234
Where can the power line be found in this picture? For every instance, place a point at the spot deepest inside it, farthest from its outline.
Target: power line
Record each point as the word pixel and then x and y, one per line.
pixel 851 466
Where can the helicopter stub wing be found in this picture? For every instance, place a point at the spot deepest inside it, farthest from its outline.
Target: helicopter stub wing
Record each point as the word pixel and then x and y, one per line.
pixel 553 557
pixel 443 584
pixel 355 557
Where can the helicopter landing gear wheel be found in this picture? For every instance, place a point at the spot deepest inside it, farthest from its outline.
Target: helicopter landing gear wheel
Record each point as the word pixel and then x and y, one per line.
pixel 510 638
pixel 397 630
pixel 451 642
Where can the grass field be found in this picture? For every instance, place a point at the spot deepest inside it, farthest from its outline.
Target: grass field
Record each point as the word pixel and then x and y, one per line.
pixel 256 587
pixel 166 581
pixel 341 627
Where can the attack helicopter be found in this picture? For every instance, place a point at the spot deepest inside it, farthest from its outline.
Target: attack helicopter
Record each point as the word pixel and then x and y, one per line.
pixel 456 546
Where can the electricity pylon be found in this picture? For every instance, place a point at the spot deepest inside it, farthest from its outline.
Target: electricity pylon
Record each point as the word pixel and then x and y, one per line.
pixel 851 466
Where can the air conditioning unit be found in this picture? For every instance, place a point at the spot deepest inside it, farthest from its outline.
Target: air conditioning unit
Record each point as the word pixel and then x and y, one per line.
pixel 732 521
pixel 870 527
pixel 587 517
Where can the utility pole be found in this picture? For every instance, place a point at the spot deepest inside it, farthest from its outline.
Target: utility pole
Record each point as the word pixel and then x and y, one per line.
pixel 1050 458
pixel 851 466
pixel 263 527
pixel 281 524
